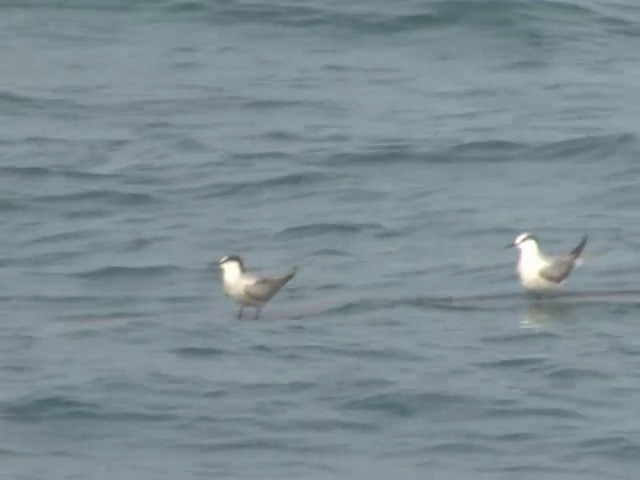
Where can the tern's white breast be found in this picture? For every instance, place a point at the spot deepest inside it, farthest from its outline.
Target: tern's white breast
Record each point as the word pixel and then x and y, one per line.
pixel 234 287
pixel 529 266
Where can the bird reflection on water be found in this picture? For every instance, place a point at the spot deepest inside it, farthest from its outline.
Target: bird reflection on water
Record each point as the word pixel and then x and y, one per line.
pixel 540 312
pixel 540 309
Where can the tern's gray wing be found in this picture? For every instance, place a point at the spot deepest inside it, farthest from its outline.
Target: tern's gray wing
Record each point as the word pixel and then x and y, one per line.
pixel 558 269
pixel 264 288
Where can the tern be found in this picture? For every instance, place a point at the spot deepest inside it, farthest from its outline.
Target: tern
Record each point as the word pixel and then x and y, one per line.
pixel 247 289
pixel 539 273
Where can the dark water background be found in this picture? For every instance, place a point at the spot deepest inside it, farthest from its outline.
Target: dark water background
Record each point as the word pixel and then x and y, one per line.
pixel 389 149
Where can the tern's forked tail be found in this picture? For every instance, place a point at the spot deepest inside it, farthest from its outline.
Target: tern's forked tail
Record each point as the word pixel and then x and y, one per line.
pixel 576 252
pixel 291 274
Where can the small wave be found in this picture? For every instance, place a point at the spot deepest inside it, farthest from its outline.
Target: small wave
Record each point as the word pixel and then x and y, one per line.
pixel 569 373
pixel 281 135
pixel 8 99
pixel 595 147
pixel 122 316
pixel 539 412
pixel 45 258
pixel 316 229
pixel 458 448
pixel 381 19
pixel 114 197
pixel 62 299
pixel 25 105
pixel 619 196
pixel 190 144
pixel 58 407
pixel 520 337
pixel 408 404
pixel 330 425
pixel 26 171
pixel 48 172
pixel 330 252
pixel 282 181
pixel 517 363
pixel 86 306
pixel 8 205
pixel 64 237
pixel 448 303
pixel 53 407
pixel 352 307
pixel 127 272
pixel 493 150
pixel 618 446
pixel 188 6
pixel 279 104
pixel 262 155
pixel 198 352
pixel 137 244
pixel 393 153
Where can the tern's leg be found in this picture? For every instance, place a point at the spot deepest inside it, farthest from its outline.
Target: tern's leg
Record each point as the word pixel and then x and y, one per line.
pixel 257 317
pixel 240 312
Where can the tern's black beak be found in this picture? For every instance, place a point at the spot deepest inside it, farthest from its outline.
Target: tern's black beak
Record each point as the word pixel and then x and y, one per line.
pixel 511 245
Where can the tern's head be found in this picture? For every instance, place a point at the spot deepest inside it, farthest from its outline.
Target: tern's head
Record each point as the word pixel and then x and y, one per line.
pixel 525 241
pixel 231 264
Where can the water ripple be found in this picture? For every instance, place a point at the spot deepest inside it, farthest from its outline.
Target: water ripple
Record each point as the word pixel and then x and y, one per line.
pixel 199 352
pixel 338 228
pixel 108 196
pixel 233 189
pixel 109 273
pixel 50 407
pixel 410 404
